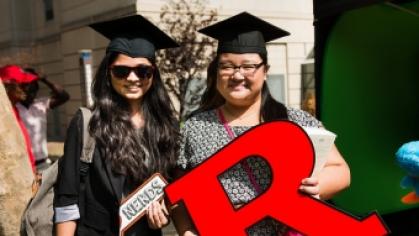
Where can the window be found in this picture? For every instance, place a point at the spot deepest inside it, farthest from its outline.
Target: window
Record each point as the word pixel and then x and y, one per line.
pixel 276 85
pixel 277 74
pixel 308 89
pixel 49 10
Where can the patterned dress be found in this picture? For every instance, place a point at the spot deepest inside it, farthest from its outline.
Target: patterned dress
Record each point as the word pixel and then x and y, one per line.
pixel 204 134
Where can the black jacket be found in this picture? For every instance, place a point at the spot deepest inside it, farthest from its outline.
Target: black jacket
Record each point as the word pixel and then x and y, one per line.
pixel 99 204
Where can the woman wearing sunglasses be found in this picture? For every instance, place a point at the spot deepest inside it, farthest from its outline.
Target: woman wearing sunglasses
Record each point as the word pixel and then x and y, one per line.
pixel 135 130
pixel 236 99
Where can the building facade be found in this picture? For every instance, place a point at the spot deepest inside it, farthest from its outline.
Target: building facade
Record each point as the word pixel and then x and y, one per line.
pixel 50 34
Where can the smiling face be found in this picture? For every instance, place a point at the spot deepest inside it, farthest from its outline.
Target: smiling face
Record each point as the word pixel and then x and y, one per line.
pixel 131 87
pixel 241 86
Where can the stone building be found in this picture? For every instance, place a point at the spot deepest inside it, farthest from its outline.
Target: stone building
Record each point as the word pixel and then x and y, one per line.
pixel 48 35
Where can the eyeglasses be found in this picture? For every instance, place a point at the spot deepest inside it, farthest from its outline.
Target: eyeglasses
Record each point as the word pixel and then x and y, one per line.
pixel 246 69
pixel 143 72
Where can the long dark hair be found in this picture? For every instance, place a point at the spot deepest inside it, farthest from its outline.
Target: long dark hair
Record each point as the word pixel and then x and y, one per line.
pixel 112 127
pixel 270 109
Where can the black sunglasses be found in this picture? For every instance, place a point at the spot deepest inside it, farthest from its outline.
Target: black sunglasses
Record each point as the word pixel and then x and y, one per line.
pixel 142 71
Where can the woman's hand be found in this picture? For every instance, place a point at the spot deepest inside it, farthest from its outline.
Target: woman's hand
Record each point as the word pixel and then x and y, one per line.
pixel 189 233
pixel 310 186
pixel 157 215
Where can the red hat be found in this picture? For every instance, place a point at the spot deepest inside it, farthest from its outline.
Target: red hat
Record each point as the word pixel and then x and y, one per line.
pixel 16 74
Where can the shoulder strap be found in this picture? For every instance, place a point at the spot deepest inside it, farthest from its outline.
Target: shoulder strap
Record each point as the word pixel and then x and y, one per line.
pixel 243 163
pixel 225 124
pixel 88 141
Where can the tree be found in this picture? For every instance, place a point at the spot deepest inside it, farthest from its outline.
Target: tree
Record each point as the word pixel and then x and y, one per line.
pixel 183 68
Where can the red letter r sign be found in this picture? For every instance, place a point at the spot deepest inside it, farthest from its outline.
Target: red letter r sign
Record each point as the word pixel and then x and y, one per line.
pixel 291 158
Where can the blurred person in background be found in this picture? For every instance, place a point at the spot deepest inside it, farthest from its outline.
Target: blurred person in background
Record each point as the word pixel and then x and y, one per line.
pixel 33 111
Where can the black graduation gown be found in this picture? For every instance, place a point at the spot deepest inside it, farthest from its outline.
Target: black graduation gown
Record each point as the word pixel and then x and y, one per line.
pixel 103 189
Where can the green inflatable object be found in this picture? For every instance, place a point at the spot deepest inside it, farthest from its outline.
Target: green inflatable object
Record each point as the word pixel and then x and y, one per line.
pixel 370 98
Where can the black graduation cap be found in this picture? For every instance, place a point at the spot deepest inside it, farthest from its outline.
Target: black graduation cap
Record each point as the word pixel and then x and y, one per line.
pixel 134 36
pixel 243 33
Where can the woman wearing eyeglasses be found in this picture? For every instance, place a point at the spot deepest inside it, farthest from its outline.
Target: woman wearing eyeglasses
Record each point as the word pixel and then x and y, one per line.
pixel 237 98
pixel 135 130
